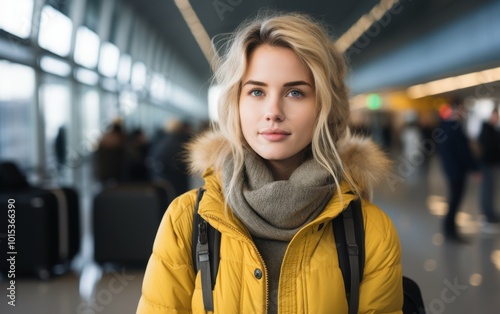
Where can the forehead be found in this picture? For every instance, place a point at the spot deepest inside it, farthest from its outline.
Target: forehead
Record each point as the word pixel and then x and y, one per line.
pixel 277 63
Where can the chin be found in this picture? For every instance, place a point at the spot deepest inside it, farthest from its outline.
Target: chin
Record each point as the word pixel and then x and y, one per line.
pixel 275 156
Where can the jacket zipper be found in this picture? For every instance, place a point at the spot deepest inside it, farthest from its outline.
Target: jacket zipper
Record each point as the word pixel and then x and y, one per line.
pixel 253 245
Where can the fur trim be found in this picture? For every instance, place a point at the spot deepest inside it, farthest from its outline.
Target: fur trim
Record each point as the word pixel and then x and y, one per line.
pixel 365 162
pixel 207 150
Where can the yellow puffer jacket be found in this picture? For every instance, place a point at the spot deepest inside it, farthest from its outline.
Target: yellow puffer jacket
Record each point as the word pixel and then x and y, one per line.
pixel 310 281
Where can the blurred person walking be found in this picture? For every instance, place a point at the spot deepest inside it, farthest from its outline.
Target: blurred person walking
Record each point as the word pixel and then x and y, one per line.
pixel 165 158
pixel 109 162
pixel 489 145
pixel 457 161
pixel 60 147
pixel 136 150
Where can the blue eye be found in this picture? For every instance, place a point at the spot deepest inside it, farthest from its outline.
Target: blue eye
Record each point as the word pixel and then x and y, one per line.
pixel 295 93
pixel 256 93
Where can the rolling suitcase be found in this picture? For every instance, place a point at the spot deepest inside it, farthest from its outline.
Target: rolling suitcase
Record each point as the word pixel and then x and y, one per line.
pixel 69 223
pixel 125 219
pixel 35 240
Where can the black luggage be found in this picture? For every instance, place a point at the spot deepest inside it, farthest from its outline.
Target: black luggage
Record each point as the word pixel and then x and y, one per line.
pixel 35 247
pixel 44 228
pixel 125 219
pixel 69 226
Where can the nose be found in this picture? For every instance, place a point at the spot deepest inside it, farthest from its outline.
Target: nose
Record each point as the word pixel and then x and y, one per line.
pixel 274 111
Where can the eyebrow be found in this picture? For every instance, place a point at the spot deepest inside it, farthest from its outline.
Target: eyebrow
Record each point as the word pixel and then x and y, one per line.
pixel 294 83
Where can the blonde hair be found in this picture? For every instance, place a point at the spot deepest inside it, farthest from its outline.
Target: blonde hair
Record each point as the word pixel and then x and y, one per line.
pixel 313 45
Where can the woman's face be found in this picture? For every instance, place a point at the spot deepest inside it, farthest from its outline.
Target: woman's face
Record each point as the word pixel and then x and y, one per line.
pixel 277 105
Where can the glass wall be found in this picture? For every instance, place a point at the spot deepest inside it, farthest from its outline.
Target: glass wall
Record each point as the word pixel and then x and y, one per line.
pixel 15 17
pixel 55 31
pixel 55 100
pixel 89 62
pixel 17 92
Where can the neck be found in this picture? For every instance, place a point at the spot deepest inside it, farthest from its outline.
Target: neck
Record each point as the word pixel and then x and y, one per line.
pixel 283 169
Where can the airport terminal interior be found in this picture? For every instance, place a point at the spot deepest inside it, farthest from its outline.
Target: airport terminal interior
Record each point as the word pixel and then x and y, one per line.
pixel 79 76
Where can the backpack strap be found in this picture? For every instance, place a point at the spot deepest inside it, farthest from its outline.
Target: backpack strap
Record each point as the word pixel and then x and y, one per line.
pixel 196 220
pixel 205 249
pixel 348 229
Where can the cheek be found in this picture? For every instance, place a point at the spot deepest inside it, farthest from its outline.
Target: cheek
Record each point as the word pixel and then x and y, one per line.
pixel 309 126
pixel 245 122
pixel 248 116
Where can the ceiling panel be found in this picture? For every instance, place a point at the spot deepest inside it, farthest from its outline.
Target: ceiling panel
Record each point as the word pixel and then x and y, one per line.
pixel 410 20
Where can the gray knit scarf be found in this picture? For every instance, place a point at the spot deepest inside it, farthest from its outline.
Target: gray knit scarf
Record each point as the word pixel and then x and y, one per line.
pixel 272 209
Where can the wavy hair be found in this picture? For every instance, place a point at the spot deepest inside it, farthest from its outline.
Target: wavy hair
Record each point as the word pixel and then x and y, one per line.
pixel 310 40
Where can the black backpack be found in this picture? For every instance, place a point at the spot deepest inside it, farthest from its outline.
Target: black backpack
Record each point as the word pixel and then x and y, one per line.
pixel 349 236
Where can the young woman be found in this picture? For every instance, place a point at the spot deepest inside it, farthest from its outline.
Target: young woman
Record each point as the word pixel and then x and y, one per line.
pixel 277 170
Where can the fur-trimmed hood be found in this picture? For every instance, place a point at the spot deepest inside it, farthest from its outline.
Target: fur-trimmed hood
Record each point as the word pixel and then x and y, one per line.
pixel 362 158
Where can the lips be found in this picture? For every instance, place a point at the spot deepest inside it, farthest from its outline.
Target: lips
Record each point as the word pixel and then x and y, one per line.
pixel 274 135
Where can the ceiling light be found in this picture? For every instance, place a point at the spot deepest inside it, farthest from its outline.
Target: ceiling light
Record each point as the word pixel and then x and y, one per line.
pixel 454 83
pixel 357 30
pixel 197 29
